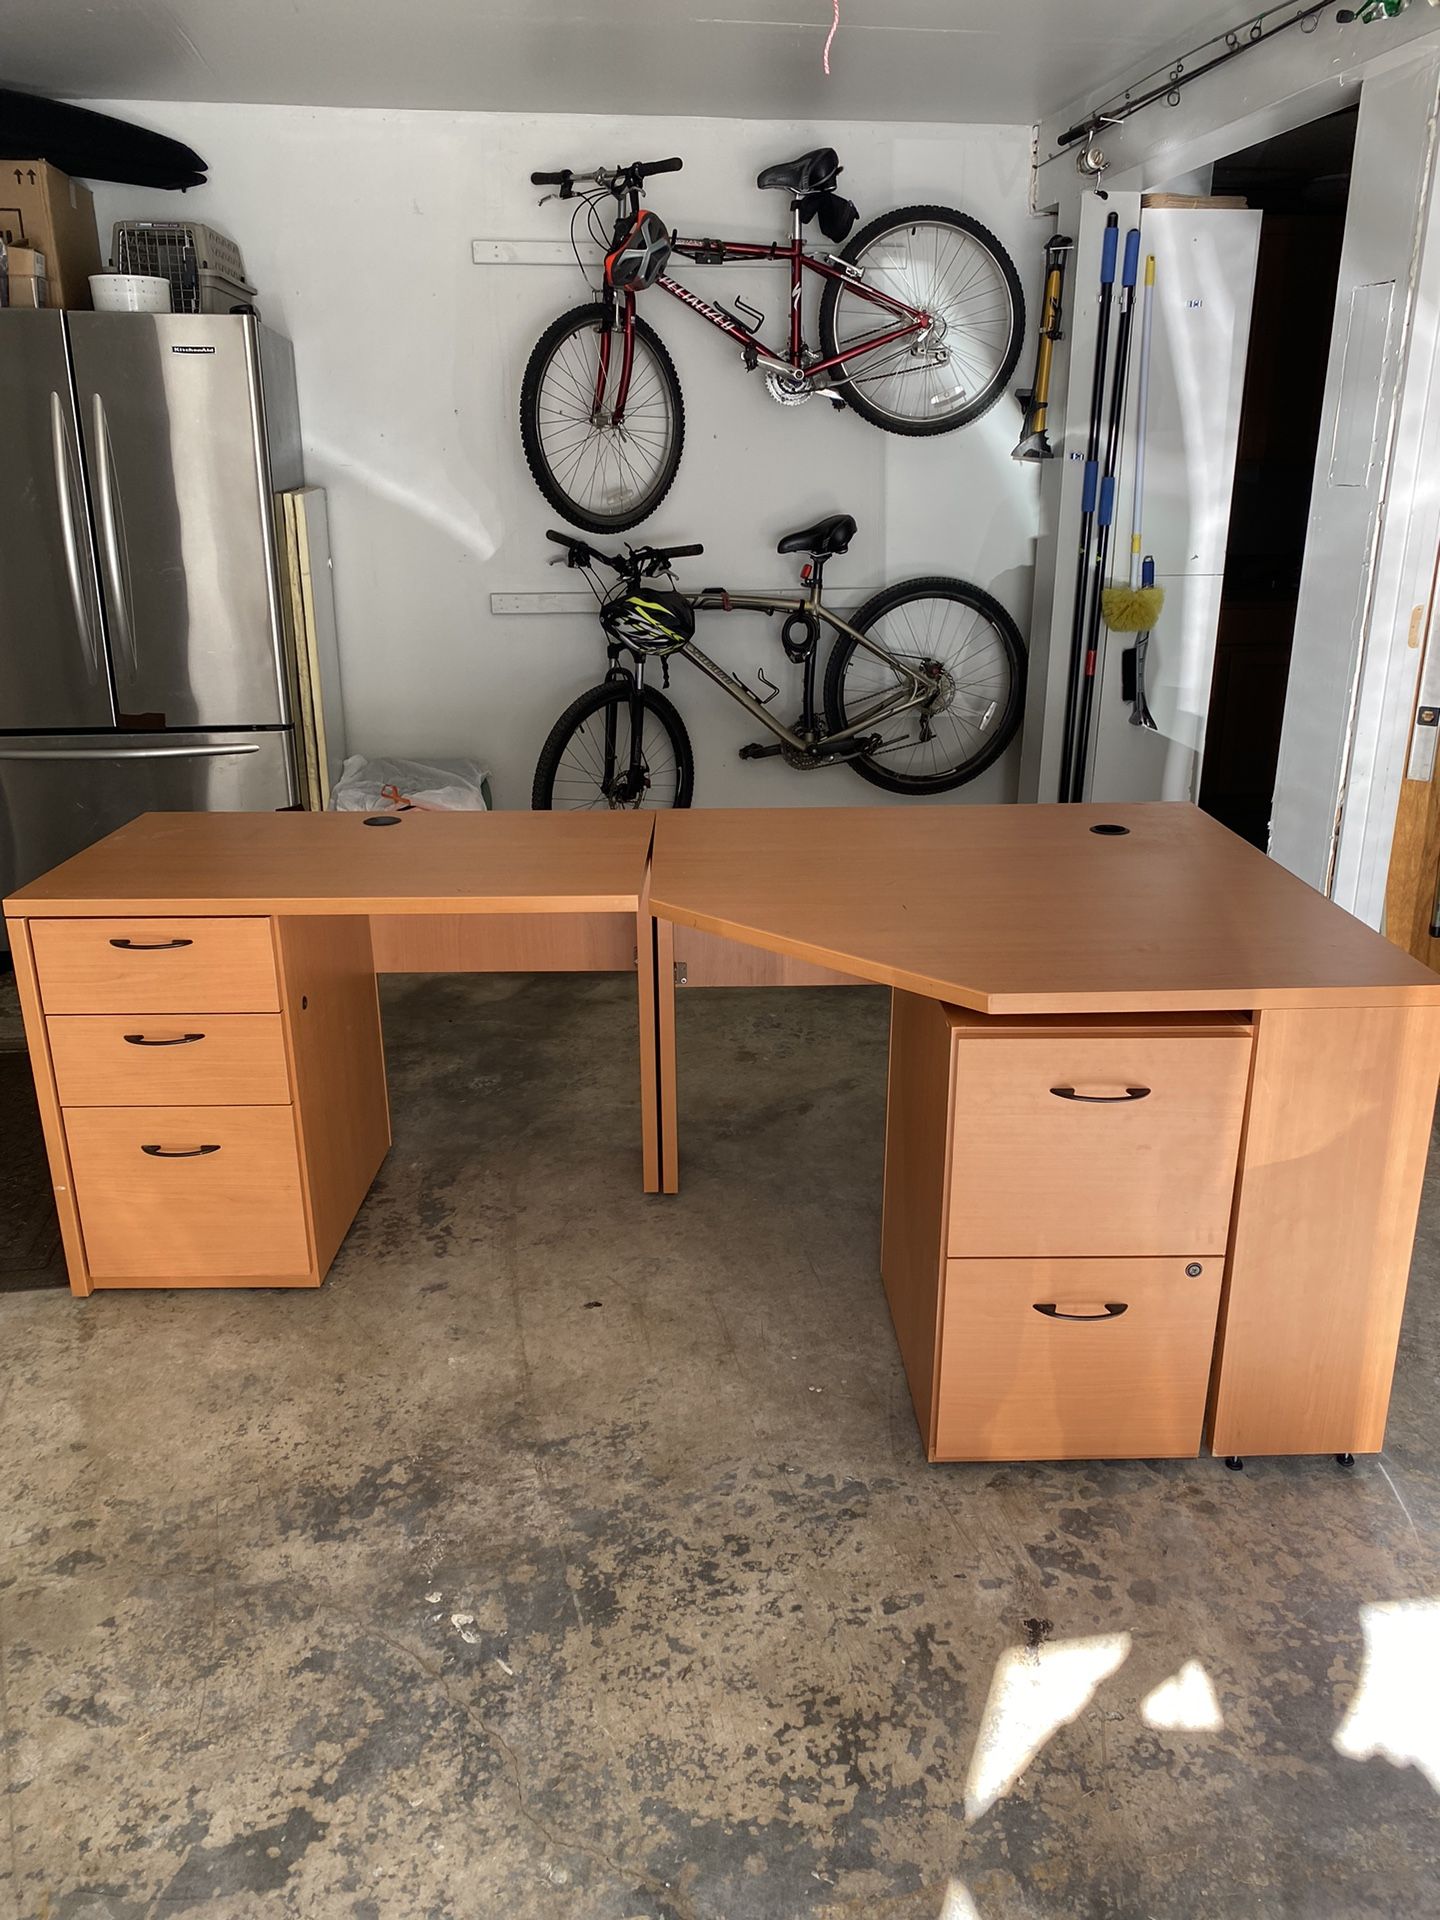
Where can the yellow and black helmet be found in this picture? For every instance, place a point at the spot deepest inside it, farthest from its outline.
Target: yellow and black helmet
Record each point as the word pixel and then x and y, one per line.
pixel 648 619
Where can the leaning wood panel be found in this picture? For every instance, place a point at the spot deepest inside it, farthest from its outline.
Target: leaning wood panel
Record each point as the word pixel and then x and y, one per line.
pixel 48 1100
pixel 711 961
pixel 503 943
pixel 1336 1134
pixel 917 1160
pixel 332 1017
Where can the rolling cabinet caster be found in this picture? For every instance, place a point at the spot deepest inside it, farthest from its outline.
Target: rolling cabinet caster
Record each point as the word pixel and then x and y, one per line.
pixel 1235 1463
pixel 1344 1459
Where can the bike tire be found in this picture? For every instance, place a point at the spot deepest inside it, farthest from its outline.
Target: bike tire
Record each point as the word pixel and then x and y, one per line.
pixel 584 320
pixel 1011 647
pixel 586 708
pixel 995 387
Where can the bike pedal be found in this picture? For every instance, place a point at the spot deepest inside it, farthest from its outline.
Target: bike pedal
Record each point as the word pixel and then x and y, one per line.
pixel 758 750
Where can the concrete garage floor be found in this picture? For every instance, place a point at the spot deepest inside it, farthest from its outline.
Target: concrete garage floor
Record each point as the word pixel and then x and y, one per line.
pixel 572 1554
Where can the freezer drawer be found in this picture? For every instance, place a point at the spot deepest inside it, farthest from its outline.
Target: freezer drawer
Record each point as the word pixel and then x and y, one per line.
pixel 172 413
pixel 61 793
pixel 53 667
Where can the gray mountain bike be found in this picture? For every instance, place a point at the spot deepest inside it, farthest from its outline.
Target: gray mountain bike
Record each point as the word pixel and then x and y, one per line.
pixel 922 691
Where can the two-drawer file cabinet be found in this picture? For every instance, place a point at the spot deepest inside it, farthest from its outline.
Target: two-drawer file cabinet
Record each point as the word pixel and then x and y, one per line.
pixel 1058 1196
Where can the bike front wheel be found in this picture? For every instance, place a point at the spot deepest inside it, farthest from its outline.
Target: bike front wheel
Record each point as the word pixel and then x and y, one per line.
pixel 587 764
pixel 965 645
pixel 602 475
pixel 953 269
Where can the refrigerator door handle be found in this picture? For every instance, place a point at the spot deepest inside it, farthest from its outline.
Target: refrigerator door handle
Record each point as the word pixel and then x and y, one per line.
pixel 125 753
pixel 65 497
pixel 112 536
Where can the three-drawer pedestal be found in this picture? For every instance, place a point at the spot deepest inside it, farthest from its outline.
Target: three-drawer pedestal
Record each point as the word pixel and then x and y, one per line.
pixel 220 1090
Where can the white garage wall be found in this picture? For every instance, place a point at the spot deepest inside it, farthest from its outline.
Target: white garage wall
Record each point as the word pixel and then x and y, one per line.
pixel 356 227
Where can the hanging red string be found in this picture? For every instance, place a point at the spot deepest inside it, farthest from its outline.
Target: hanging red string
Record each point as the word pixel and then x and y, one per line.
pixel 829 38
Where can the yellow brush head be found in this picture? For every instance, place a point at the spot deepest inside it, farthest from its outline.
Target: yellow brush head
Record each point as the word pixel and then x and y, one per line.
pixel 1130 609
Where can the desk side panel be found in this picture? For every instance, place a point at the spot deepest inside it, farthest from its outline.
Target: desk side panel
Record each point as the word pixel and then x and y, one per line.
pixel 1336 1135
pixel 918 1110
pixel 332 1017
pixel 47 1098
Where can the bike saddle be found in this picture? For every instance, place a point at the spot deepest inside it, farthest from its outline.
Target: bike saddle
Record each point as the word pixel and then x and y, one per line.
pixel 831 535
pixel 811 170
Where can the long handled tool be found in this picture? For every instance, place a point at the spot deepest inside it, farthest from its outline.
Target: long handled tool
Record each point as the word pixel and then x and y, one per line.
pixel 1108 248
pixel 1105 514
pixel 1034 441
pixel 1135 608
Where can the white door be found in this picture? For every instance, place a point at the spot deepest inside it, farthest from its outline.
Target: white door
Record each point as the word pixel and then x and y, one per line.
pixel 1388 198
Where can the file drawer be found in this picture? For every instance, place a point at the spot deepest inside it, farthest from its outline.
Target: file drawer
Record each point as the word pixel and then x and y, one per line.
pixel 169 1060
pixel 155 966
pixel 197 1194
pixel 1095 1143
pixel 1075 1359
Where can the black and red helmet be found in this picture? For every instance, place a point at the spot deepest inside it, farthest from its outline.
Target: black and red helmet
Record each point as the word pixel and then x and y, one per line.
pixel 639 259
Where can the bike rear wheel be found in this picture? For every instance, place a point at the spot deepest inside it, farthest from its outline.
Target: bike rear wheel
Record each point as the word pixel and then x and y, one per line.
pixel 963 641
pixel 951 267
pixel 602 477
pixel 585 763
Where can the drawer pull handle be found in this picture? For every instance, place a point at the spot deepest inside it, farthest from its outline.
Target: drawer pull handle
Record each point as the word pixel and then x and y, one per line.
pixel 1101 1099
pixel 150 946
pixel 178 1153
pixel 1112 1310
pixel 173 1040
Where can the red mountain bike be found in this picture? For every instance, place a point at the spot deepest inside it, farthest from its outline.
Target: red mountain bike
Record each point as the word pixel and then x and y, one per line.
pixel 921 323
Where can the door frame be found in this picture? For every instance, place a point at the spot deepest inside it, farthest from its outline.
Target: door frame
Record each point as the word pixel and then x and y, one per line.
pixel 1299 80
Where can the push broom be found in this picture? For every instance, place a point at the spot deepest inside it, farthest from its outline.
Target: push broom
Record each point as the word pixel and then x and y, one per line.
pixel 1135 607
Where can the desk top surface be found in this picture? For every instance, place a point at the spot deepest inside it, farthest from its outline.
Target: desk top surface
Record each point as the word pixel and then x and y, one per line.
pixel 263 863
pixel 1024 910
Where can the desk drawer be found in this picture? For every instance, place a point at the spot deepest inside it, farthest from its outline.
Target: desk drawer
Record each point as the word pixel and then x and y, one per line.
pixel 231 1211
pixel 169 1060
pixel 1110 1144
pixel 1125 1378
pixel 155 966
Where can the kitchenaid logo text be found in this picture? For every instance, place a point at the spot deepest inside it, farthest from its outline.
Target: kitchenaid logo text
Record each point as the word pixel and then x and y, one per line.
pixel 192 349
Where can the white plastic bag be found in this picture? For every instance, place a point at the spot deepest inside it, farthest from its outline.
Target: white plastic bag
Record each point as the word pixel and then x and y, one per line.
pixel 387 785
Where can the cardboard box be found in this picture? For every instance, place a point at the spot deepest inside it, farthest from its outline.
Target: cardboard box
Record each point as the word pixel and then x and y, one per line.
pixel 43 208
pixel 22 277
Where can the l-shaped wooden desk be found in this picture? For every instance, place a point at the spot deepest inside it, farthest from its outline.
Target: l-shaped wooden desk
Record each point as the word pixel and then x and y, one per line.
pixel 1157 1115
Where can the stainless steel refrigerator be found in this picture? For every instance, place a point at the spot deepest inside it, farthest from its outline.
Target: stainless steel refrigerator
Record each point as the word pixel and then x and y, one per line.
pixel 143 659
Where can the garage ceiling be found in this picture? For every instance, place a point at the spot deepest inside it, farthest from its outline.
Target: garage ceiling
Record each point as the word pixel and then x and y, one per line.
pixel 962 60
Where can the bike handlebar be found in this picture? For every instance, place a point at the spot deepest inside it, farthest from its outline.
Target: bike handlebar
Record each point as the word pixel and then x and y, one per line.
pixel 616 180
pixel 634 559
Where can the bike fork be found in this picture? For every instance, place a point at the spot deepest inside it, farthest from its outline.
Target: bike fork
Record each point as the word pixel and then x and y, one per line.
pixel 623 323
